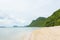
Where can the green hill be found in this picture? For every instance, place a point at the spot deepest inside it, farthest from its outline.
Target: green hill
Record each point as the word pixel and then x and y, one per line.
pixel 38 22
pixel 53 20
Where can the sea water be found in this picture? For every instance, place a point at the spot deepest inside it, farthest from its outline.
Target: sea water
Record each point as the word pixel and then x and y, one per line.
pixel 22 33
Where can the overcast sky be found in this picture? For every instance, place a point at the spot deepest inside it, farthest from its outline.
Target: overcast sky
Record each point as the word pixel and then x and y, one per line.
pixel 22 12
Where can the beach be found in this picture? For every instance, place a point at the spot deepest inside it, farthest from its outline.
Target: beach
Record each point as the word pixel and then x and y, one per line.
pixel 43 33
pixel 46 33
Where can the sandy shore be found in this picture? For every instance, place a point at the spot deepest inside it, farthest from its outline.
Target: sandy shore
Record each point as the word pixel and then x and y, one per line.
pixel 46 33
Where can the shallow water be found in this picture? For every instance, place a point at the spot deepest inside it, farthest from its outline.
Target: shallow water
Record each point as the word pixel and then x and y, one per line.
pixel 16 33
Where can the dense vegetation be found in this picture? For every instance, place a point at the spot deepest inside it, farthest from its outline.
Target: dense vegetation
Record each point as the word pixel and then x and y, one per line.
pixel 53 20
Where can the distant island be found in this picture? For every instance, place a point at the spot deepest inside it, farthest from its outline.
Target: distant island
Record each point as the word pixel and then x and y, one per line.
pixel 53 20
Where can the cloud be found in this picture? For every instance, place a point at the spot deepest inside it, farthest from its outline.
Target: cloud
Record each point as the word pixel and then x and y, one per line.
pixel 10 21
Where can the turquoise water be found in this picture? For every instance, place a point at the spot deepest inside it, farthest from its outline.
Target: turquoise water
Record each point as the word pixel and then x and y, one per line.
pixel 16 33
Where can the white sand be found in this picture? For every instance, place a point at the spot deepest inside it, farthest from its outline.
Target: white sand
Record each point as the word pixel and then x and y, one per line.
pixel 47 33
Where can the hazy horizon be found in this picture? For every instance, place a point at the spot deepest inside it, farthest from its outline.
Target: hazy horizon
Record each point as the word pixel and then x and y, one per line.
pixel 22 12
